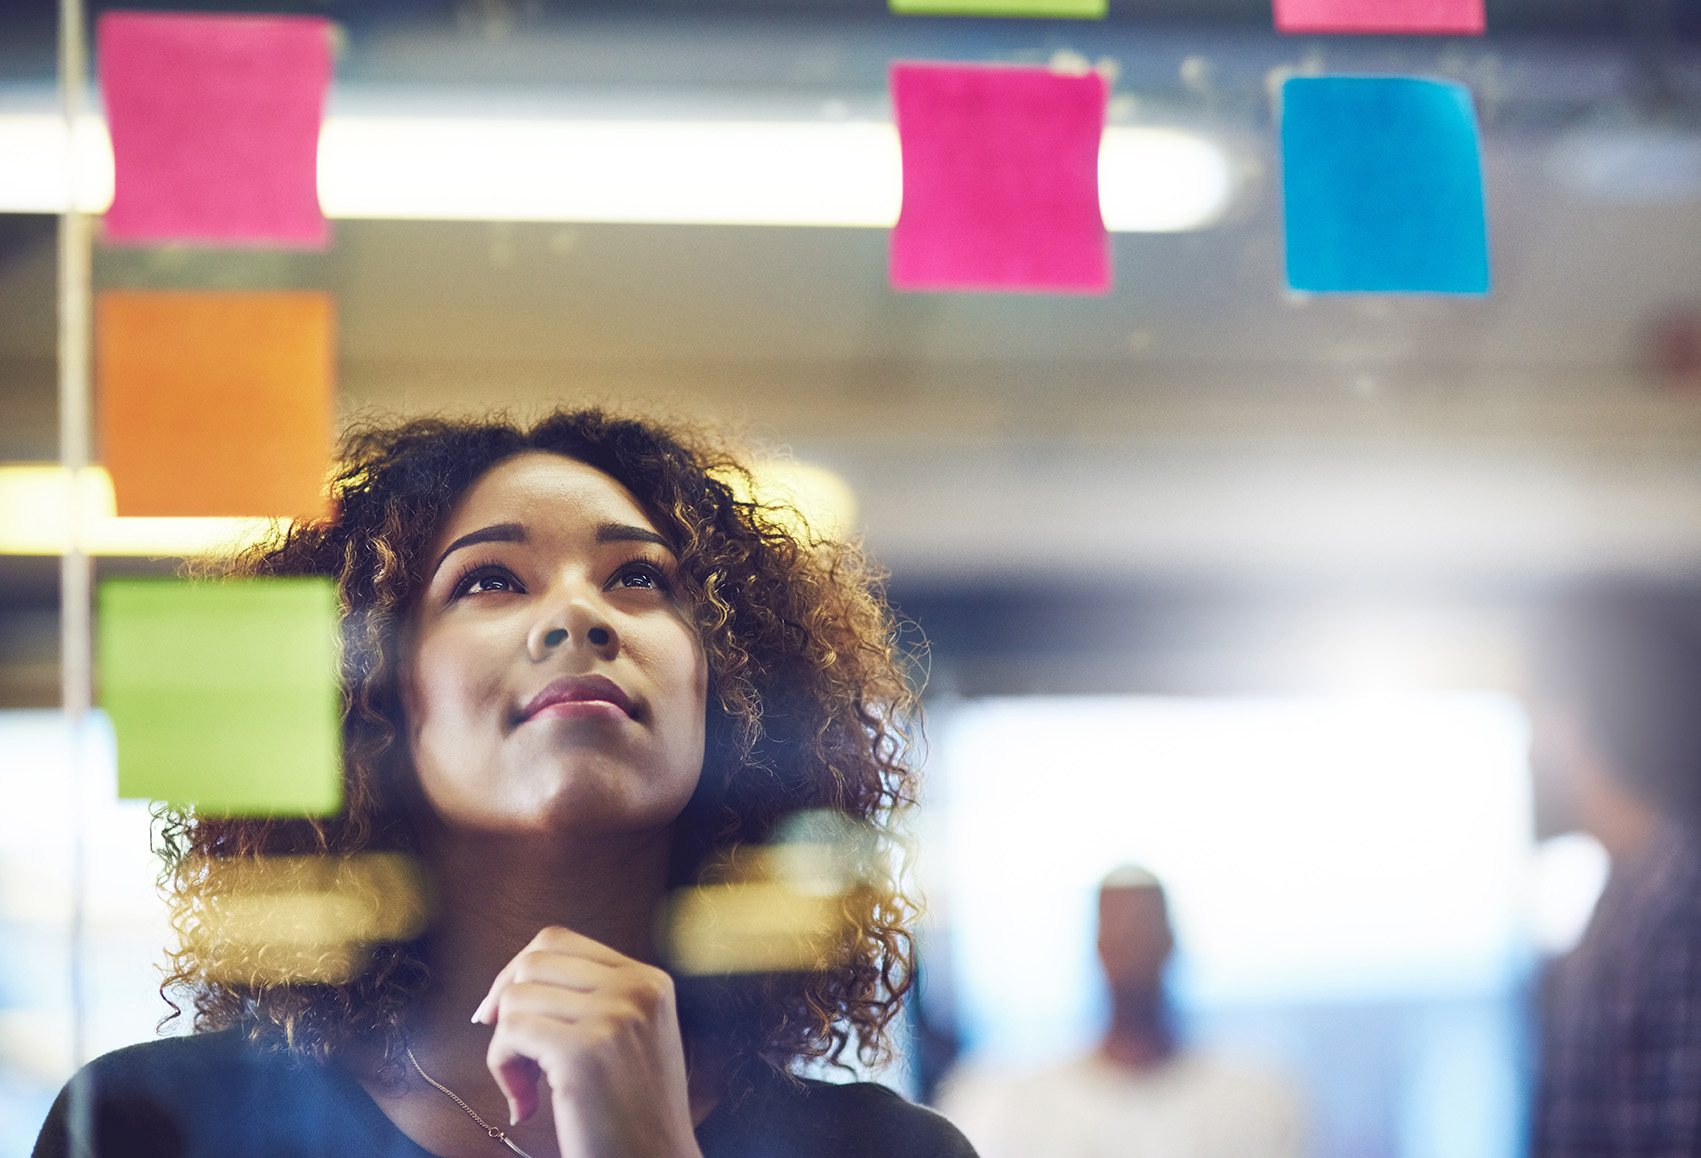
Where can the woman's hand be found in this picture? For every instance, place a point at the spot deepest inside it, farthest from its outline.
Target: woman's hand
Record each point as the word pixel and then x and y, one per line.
pixel 603 1031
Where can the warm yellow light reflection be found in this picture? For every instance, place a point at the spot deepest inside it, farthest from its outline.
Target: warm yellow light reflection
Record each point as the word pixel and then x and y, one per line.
pixel 759 927
pixel 36 508
pixel 783 907
pixel 824 502
pixel 280 919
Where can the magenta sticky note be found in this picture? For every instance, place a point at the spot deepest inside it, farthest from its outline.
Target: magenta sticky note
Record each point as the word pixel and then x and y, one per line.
pixel 1001 179
pixel 1435 17
pixel 215 126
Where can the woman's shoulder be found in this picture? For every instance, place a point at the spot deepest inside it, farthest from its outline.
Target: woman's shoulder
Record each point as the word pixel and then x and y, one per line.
pixel 171 1069
pixel 212 1093
pixel 172 1057
pixel 197 1067
pixel 784 1116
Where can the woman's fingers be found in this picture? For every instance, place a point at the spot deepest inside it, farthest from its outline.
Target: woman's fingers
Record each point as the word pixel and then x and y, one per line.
pixel 603 1031
pixel 553 943
pixel 543 1030
pixel 541 966
pixel 560 939
pixel 527 1045
pixel 516 1076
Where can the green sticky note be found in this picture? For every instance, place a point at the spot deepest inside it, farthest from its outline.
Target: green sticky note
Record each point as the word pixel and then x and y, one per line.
pixel 223 695
pixel 1073 9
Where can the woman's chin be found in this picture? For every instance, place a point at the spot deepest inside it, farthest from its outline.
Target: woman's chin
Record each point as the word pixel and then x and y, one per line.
pixel 570 808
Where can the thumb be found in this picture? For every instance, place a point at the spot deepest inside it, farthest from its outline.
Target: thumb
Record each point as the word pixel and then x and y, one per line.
pixel 517 1077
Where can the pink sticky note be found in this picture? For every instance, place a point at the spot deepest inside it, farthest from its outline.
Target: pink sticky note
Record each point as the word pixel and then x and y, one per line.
pixel 1001 179
pixel 215 126
pixel 1439 17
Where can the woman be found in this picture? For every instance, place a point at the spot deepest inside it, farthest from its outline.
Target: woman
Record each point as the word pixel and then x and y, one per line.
pixel 580 672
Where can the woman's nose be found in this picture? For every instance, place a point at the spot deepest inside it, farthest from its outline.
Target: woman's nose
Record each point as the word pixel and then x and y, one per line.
pixel 574 622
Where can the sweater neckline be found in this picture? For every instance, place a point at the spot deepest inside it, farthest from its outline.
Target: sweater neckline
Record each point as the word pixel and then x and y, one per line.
pixel 721 1122
pixel 364 1106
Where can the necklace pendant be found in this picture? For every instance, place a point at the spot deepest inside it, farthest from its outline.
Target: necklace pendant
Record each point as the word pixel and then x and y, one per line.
pixel 495 1133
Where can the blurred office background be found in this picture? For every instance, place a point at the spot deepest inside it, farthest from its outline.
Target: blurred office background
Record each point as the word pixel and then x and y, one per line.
pixel 1221 578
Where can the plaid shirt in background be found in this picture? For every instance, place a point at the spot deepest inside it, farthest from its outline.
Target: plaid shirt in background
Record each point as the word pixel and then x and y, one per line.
pixel 1621 1053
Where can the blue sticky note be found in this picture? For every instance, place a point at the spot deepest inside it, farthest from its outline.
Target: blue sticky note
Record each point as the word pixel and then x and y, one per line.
pixel 1382 186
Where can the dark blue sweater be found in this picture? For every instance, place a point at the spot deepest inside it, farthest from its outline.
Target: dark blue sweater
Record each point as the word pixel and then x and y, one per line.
pixel 216 1096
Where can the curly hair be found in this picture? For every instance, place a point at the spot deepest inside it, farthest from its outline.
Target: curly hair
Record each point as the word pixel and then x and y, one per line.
pixel 809 707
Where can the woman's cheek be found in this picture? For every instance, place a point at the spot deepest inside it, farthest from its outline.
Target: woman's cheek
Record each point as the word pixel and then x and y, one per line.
pixel 445 703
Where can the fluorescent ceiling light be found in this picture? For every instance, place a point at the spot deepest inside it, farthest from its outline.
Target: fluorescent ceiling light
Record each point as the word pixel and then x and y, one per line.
pixel 1162 180
pixel 35 518
pixel 35 512
pixel 806 173
pixel 36 166
pixel 707 173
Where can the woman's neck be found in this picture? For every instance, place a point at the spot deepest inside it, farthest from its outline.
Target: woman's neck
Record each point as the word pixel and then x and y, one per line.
pixel 495 891
pixel 493 894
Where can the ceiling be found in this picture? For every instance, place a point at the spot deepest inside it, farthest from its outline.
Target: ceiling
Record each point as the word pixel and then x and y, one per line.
pixel 1198 438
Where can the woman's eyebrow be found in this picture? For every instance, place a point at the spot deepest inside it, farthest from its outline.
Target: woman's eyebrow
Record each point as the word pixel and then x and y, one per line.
pixel 626 533
pixel 495 533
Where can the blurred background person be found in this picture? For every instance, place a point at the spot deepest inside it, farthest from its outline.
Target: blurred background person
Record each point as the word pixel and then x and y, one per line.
pixel 1617 754
pixel 1141 1093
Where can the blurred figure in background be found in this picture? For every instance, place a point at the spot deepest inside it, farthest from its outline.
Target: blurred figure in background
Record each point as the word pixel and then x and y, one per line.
pixel 1617 754
pixel 1141 1094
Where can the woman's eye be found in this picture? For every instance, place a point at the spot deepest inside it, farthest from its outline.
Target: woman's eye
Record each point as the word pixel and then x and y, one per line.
pixel 642 575
pixel 486 582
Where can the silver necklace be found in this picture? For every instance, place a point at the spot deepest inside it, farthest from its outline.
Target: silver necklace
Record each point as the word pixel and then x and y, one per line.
pixel 495 1132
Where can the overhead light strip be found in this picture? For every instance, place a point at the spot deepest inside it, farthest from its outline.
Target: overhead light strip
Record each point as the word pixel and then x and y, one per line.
pixel 798 173
pixel 35 509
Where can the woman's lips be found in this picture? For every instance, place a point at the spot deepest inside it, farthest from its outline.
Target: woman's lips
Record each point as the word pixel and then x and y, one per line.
pixel 579 695
pixel 568 709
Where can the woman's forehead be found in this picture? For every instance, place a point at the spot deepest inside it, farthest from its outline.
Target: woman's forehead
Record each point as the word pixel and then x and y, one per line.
pixel 538 486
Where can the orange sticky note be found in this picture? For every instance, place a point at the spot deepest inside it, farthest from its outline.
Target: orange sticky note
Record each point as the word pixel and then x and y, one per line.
pixel 215 404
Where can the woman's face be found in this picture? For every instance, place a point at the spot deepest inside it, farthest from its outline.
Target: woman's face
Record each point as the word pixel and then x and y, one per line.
pixel 552 681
